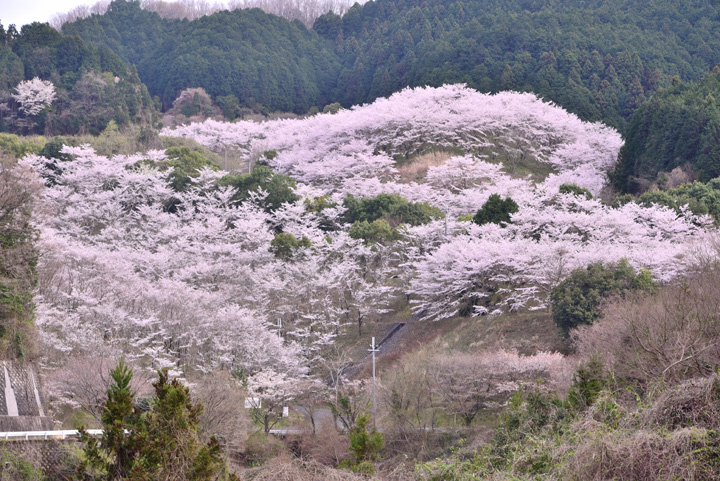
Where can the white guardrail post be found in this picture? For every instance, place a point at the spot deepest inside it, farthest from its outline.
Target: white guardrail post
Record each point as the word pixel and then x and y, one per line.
pixel 45 435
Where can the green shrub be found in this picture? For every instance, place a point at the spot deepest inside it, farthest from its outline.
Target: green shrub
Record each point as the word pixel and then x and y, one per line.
pixel 520 439
pixel 280 188
pixel 701 198
pixel 260 447
pixel 575 190
pixel 589 380
pixel 11 144
pixel 332 108
pixel 16 467
pixel 394 209
pixel 285 245
pixel 365 446
pixel 496 210
pixel 377 231
pixel 318 204
pixel 575 301
pixel 186 165
pixel 156 443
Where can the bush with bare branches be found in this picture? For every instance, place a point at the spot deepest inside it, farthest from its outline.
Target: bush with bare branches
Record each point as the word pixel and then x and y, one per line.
pixel 668 336
pixel 191 105
pixel 289 468
pixel 223 413
pixel 409 404
pixel 353 400
pixel 84 381
pixel 691 403
pixel 312 402
pixel 466 383
pixel 17 262
pixel 326 445
pixel 687 453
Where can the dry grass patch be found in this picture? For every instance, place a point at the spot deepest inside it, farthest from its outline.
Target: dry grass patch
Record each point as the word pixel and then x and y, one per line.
pixel 688 453
pixel 527 332
pixel 416 169
pixel 692 403
pixel 286 467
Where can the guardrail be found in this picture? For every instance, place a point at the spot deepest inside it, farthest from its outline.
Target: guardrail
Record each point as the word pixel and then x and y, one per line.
pixel 45 435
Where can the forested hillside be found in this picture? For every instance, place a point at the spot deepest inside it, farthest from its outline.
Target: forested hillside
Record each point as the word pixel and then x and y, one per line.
pixel 600 60
pixel 678 128
pixel 92 84
pixel 130 31
pixel 256 57
pixel 306 11
pixel 247 57
pixel 536 319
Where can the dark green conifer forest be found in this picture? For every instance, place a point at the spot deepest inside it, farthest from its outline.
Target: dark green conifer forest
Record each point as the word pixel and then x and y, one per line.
pixel 93 84
pixel 678 128
pixel 598 59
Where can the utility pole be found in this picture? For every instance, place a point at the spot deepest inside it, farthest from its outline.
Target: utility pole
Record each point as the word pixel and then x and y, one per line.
pixel 279 327
pixel 447 210
pixel 373 349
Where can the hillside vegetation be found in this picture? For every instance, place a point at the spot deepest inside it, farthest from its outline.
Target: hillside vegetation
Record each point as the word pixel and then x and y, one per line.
pixel 258 59
pixel 679 128
pixel 280 274
pixel 534 323
pixel 92 85
pixel 599 60
pixel 311 230
pixel 18 261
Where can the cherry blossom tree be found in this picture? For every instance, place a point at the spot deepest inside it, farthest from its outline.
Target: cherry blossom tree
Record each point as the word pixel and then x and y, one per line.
pixel 520 263
pixel 469 383
pixel 269 393
pixel 34 95
pixel 113 253
pixel 190 280
pixel 195 287
pixel 363 142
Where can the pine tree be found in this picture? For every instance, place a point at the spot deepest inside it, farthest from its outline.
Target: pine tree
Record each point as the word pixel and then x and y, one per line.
pixel 159 444
pixel 114 454
pixel 496 210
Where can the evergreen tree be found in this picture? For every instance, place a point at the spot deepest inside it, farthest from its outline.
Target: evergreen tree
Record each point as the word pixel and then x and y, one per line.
pixel 576 300
pixel 161 443
pixel 496 210
pixel 113 456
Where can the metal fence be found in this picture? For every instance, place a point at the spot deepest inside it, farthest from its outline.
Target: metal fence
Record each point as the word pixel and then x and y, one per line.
pixel 53 452
pixel 45 435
